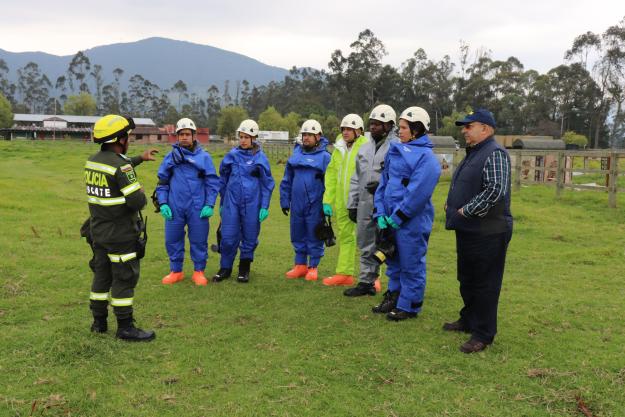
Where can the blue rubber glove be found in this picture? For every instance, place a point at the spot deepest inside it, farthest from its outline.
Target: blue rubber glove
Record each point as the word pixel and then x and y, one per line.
pixel 327 209
pixel 263 214
pixel 382 222
pixel 207 211
pixel 390 221
pixel 166 212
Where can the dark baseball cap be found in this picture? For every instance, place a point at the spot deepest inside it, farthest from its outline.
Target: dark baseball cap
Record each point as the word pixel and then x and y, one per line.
pixel 479 115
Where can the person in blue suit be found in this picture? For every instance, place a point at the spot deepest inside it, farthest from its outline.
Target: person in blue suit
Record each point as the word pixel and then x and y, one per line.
pixel 301 193
pixel 246 185
pixel 186 192
pixel 403 203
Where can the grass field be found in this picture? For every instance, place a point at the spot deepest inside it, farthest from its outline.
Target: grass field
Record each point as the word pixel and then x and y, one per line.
pixel 278 348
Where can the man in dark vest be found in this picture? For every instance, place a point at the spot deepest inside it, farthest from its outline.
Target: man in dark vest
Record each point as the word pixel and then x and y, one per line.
pixel 478 209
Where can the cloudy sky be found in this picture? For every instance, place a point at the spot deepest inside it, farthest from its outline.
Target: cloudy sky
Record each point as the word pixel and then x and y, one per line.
pixel 287 33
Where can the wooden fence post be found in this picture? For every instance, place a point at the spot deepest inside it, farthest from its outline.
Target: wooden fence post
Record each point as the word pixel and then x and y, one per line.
pixel 455 160
pixel 560 174
pixel 612 179
pixel 517 171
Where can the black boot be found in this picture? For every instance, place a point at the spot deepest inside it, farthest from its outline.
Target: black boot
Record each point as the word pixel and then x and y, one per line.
pixel 99 311
pixel 244 271
pixel 223 273
pixel 397 314
pixel 388 303
pixel 127 331
pixel 363 288
pixel 99 325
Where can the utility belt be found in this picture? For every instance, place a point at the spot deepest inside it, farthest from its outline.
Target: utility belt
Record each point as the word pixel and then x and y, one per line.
pixel 140 244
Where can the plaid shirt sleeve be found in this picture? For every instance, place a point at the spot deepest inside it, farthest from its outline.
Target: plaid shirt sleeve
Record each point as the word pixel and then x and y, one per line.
pixel 495 178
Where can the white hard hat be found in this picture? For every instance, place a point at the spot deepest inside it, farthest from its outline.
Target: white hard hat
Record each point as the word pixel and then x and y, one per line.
pixel 249 127
pixel 383 113
pixel 416 114
pixel 185 123
pixel 352 120
pixel 311 126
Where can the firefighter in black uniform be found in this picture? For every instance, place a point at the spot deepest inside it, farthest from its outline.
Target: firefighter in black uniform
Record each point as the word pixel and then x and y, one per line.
pixel 115 199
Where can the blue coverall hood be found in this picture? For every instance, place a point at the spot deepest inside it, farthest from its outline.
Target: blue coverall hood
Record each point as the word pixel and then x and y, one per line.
pixel 321 146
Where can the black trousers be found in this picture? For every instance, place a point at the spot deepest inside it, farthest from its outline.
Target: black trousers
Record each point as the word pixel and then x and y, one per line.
pixel 481 261
pixel 115 275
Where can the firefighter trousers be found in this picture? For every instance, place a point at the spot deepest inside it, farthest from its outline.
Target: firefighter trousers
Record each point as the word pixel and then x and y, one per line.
pixel 115 269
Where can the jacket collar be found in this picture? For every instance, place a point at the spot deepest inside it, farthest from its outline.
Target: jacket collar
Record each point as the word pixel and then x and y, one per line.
pixel 480 145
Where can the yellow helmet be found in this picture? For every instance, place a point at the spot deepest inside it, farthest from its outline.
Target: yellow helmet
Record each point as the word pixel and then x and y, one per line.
pixel 110 127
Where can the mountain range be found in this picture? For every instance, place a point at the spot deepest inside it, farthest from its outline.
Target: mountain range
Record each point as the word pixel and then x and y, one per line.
pixel 162 61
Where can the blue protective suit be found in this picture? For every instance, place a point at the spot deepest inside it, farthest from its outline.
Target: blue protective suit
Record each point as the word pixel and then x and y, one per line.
pixel 187 181
pixel 246 185
pixel 301 191
pixel 411 172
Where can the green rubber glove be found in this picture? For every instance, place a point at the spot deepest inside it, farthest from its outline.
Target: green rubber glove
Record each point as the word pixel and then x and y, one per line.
pixel 390 221
pixel 382 222
pixel 166 212
pixel 327 209
pixel 207 211
pixel 263 214
pixel 220 209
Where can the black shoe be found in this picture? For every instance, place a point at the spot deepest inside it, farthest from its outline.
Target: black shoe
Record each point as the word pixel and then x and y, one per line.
pixel 244 277
pixel 244 271
pixel 397 314
pixel 363 288
pixel 224 273
pixel 388 303
pixel 456 326
pixel 134 334
pixel 99 325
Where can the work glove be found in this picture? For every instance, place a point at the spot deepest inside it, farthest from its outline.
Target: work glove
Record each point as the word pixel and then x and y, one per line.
pixel 390 221
pixel 382 224
pixel 327 209
pixel 285 211
pixel 353 214
pixel 207 211
pixel 372 186
pixel 262 214
pixel 166 212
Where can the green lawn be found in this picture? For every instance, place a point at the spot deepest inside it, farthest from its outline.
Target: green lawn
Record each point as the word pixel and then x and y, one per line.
pixel 278 348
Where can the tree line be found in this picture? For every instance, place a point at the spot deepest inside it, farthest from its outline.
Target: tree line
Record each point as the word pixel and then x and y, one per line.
pixel 585 94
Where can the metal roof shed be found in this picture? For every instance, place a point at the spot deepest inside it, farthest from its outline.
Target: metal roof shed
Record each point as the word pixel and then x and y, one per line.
pixel 39 118
pixel 539 144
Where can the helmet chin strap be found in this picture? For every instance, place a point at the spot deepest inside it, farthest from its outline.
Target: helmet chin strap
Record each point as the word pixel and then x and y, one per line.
pixel 310 147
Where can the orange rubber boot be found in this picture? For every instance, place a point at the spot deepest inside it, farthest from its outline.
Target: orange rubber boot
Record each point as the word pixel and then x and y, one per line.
pixel 298 271
pixel 377 285
pixel 339 280
pixel 311 275
pixel 199 278
pixel 173 277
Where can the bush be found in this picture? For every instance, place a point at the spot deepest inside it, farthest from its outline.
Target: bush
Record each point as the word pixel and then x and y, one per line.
pixel 571 137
